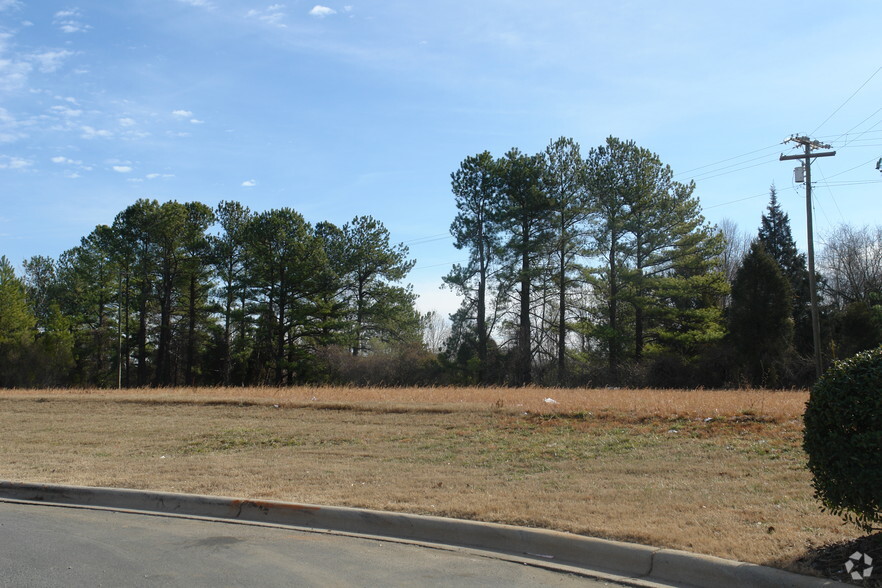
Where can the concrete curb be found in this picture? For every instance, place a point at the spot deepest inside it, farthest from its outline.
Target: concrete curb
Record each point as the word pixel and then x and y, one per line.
pixel 665 566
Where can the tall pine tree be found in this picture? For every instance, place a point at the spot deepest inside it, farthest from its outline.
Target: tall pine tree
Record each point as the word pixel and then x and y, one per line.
pixel 775 235
pixel 760 322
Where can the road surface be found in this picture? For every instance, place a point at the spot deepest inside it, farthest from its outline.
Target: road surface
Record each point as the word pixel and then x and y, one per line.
pixel 42 545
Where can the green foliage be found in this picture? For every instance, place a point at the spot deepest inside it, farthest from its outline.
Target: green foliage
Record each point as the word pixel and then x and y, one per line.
pixel 17 327
pixel 858 327
pixel 760 320
pixel 843 438
pixel 475 187
pixel 774 234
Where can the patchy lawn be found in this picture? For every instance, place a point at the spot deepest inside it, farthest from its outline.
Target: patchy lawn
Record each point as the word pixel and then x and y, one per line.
pixel 716 472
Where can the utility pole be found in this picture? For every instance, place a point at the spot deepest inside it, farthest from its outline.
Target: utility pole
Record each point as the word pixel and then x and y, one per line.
pixel 807 156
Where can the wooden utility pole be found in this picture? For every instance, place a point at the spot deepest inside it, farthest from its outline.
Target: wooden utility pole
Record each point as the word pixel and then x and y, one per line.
pixel 807 156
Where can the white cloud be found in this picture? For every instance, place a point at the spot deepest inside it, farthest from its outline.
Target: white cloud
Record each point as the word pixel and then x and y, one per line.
pixel 50 61
pixel 60 159
pixel 127 122
pixel 155 176
pixel 198 3
pixel 123 169
pixel 272 15
pixel 6 4
pixel 13 73
pixel 9 127
pixel 69 21
pixel 321 11
pixel 91 132
pixel 196 121
pixel 249 183
pixel 11 162
pixel 65 111
pixel 182 113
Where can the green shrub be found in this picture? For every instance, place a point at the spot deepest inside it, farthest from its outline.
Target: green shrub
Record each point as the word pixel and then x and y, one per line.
pixel 843 438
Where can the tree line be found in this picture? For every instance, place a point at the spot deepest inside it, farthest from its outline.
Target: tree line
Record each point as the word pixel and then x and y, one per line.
pixel 583 269
pixel 600 269
pixel 157 299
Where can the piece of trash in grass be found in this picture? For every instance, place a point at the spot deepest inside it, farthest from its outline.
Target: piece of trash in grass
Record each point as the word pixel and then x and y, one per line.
pixel 551 401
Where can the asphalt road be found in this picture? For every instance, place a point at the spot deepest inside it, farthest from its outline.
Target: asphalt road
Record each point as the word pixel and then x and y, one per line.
pixel 43 545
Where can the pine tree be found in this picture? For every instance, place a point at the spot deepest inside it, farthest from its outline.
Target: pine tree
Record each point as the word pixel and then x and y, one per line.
pixel 17 327
pixel 776 237
pixel 525 217
pixel 475 188
pixel 565 183
pixel 760 320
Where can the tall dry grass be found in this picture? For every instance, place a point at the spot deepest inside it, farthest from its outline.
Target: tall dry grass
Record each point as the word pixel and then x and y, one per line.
pixel 727 478
pixel 765 404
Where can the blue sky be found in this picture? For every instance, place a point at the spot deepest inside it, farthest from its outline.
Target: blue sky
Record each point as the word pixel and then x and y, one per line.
pixel 339 110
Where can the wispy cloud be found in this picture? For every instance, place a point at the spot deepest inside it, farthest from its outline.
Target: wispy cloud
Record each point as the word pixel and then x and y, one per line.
pixel 14 70
pixel 321 11
pixel 249 183
pixel 182 113
pixel 92 133
pixel 69 21
pixel 12 162
pixel 66 111
pixel 198 3
pixel 60 159
pixel 122 169
pixel 50 61
pixel 273 15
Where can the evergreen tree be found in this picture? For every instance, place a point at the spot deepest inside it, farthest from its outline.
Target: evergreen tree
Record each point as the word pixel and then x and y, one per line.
pixel 229 259
pixel 371 265
pixel 775 235
pixel 87 292
pixel 475 187
pixel 286 262
pixel 611 247
pixel 565 183
pixel 525 218
pixel 760 319
pixel 17 327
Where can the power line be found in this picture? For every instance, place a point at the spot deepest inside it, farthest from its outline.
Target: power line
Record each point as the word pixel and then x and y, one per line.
pixel 429 238
pixel 450 263
pixel 734 201
pixel 832 197
pixel 847 101
pixel 845 134
pixel 734 170
pixel 725 160
pixel 853 168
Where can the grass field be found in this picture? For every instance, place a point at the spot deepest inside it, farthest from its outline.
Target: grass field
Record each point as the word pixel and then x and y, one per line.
pixel 716 472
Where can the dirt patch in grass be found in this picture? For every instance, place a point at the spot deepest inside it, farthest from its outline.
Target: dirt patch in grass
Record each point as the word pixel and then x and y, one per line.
pixel 716 472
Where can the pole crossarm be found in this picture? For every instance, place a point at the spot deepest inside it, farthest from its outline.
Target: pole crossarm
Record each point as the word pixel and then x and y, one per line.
pixel 803 156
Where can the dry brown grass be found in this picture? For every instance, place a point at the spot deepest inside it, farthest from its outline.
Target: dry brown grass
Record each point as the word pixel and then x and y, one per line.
pixel 642 403
pixel 717 472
